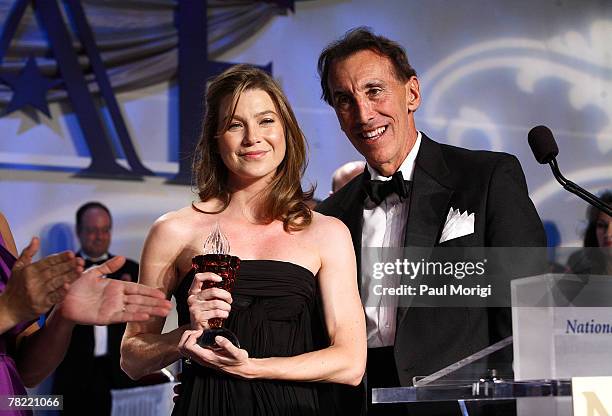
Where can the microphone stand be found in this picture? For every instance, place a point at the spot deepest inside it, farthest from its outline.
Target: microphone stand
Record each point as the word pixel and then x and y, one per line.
pixel 577 190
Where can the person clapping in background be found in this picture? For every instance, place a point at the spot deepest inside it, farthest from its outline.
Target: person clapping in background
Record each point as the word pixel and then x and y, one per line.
pixel 28 289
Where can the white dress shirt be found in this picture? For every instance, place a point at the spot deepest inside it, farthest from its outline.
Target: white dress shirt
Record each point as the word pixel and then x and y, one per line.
pixel 100 332
pixel 384 226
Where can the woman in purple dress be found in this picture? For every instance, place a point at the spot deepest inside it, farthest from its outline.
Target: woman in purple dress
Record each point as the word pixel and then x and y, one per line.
pixel 29 289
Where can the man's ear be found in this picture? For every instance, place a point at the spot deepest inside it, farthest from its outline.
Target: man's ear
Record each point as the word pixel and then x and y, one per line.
pixel 413 93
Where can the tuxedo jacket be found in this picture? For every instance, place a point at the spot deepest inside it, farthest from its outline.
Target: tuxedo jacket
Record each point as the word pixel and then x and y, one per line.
pixel 489 184
pixel 78 377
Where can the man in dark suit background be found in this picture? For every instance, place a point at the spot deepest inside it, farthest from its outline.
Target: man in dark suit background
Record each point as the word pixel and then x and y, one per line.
pixel 91 368
pixel 374 91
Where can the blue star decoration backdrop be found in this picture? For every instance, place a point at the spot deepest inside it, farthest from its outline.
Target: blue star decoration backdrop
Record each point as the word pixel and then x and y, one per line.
pixel 29 88
pixel 61 28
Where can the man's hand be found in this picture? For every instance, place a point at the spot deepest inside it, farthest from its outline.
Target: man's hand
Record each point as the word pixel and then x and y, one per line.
pixel 95 300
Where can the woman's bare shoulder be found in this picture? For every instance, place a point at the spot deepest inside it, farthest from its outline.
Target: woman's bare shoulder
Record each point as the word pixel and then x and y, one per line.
pixel 175 222
pixel 328 228
pixel 172 224
pixel 184 224
pixel 3 223
pixel 7 236
pixel 326 222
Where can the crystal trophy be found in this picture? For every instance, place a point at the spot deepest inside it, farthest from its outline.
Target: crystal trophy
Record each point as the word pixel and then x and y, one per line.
pixel 216 259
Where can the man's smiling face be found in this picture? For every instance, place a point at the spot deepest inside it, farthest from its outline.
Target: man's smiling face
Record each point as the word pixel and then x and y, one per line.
pixel 375 108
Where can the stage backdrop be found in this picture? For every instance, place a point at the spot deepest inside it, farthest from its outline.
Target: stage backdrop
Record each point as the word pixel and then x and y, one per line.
pixel 489 71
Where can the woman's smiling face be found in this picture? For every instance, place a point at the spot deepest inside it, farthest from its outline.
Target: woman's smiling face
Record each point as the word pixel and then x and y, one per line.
pixel 253 146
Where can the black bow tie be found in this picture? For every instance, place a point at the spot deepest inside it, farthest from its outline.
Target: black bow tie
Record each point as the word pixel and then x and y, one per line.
pixel 378 191
pixel 89 263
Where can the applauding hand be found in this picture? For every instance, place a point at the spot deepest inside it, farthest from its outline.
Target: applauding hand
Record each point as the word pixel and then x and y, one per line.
pixel 95 300
pixel 34 287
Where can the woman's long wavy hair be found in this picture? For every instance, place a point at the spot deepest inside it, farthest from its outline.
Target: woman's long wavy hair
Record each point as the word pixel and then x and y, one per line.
pixel 283 198
pixel 590 234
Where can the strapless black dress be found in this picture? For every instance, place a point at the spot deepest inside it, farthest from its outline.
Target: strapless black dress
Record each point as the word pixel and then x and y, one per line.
pixel 274 315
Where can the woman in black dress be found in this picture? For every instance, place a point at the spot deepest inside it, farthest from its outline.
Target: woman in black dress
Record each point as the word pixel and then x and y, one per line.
pixel 294 263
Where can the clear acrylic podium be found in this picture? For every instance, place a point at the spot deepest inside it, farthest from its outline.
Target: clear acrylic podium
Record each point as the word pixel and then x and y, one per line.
pixel 464 382
pixel 559 324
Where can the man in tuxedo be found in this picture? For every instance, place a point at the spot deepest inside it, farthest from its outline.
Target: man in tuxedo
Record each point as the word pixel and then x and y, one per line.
pixel 374 91
pixel 91 368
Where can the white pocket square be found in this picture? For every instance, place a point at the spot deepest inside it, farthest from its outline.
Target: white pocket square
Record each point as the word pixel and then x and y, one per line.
pixel 457 225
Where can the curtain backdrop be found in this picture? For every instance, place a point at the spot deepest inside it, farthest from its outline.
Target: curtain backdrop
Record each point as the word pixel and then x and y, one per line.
pixel 137 39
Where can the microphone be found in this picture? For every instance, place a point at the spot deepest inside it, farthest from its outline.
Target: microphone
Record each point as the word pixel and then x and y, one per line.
pixel 542 144
pixel 545 150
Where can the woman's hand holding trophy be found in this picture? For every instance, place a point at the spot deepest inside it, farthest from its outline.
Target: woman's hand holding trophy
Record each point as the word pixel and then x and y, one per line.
pixel 210 293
